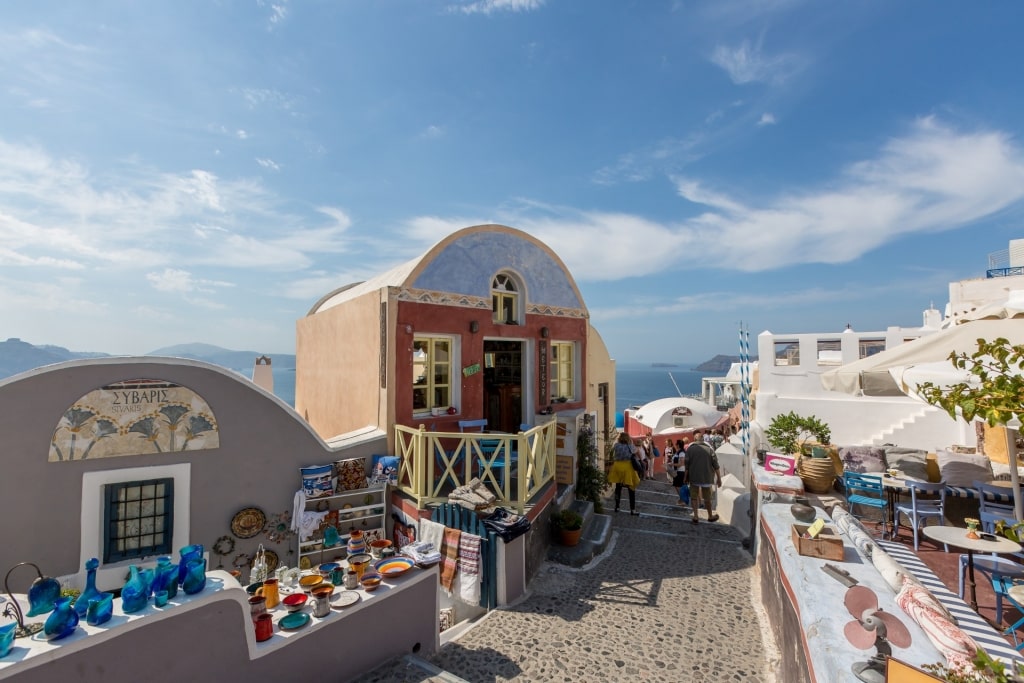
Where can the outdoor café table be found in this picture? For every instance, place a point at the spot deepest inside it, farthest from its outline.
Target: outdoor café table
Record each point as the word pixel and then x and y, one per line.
pixel 957 536
pixel 893 487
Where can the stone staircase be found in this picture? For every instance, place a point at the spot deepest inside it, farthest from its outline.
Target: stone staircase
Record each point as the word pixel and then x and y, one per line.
pixel 597 532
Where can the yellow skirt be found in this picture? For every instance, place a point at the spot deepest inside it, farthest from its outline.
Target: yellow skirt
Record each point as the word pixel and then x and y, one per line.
pixel 622 472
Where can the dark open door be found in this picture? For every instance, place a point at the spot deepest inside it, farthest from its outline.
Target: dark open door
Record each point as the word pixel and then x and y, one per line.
pixel 503 387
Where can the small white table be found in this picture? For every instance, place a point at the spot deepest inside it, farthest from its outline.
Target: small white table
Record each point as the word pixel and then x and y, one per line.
pixel 957 536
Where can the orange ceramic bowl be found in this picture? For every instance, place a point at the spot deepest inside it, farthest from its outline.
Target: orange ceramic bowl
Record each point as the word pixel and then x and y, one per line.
pixel 307 583
pixel 370 582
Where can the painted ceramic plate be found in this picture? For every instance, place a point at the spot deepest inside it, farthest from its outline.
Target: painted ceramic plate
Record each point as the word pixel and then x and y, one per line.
pixel 294 621
pixel 393 566
pixel 344 599
pixel 248 522
pixel 271 558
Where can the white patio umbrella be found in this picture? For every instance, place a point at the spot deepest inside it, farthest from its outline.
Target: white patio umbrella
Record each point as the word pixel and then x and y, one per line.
pixel 901 370
pixel 871 376
pixel 678 412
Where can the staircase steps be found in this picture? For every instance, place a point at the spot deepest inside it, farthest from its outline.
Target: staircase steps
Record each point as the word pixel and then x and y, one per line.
pixel 597 532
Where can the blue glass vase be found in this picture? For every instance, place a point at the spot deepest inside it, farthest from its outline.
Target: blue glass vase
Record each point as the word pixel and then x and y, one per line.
pixel 62 622
pixel 166 578
pixel 195 576
pixel 100 609
pixel 147 576
pixel 42 596
pixel 189 552
pixel 90 593
pixel 135 592
pixel 7 638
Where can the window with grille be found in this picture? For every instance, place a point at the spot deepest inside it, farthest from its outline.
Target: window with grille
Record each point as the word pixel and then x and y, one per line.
pixel 563 368
pixel 869 347
pixel 138 519
pixel 504 300
pixel 431 373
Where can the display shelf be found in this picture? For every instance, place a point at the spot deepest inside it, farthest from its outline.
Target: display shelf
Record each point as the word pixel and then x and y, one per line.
pixel 347 511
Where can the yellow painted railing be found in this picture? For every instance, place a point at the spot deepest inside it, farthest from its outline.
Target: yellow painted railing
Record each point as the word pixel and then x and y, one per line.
pixel 514 466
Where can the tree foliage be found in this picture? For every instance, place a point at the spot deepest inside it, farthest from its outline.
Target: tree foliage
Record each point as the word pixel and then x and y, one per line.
pixel 995 391
pixel 788 431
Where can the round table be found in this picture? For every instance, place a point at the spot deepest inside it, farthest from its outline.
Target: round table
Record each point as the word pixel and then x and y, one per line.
pixel 957 536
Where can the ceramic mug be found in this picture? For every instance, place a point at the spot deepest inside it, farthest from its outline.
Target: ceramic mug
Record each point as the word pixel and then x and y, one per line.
pixel 257 606
pixel 359 563
pixel 351 580
pixel 270 591
pixel 264 627
pixel 322 600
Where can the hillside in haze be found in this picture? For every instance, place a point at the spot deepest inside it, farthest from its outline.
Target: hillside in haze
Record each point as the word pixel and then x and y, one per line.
pixel 17 356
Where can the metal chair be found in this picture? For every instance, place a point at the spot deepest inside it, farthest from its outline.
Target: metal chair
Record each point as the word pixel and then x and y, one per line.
pixel 866 490
pixel 926 500
pixel 1001 571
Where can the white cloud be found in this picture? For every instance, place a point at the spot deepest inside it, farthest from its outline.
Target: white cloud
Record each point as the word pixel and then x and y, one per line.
pixel 747 63
pixel 492 6
pixel 767 119
pixel 268 164
pixel 933 178
pixel 182 281
pixel 241 134
pixel 432 132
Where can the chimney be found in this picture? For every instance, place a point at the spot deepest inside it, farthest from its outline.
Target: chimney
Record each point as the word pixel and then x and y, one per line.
pixel 262 375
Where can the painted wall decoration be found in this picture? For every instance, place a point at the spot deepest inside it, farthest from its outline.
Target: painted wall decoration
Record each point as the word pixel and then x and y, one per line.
pixel 134 417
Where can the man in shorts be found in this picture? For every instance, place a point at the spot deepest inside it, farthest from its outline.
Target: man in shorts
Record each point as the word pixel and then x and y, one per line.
pixel 703 474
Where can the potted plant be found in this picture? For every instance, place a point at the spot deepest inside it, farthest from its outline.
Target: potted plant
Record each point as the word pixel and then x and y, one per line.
pixel 569 525
pixel 792 434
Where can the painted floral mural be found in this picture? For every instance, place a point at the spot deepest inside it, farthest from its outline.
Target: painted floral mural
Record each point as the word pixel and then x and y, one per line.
pixel 134 417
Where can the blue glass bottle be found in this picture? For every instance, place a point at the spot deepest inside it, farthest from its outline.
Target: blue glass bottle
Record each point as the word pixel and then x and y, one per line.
pixel 100 609
pixel 189 552
pixel 62 622
pixel 147 576
pixel 166 578
pixel 195 576
pixel 135 592
pixel 90 592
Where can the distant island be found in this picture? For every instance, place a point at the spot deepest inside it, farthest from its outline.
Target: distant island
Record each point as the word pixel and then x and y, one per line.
pixel 720 364
pixel 664 365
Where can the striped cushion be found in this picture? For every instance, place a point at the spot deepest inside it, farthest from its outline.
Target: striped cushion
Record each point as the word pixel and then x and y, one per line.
pixel 970 492
pixel 967 619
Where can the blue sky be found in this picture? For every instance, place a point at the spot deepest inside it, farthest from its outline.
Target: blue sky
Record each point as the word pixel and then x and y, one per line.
pixel 205 171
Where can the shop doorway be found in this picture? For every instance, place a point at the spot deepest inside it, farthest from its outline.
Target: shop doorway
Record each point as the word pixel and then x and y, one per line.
pixel 503 385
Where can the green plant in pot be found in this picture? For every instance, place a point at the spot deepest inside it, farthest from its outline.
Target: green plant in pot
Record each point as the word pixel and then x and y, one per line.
pixel 568 525
pixel 790 432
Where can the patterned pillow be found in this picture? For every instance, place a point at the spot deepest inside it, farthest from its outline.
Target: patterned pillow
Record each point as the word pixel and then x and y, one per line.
pixel 958 647
pixel 862 459
pixel 960 469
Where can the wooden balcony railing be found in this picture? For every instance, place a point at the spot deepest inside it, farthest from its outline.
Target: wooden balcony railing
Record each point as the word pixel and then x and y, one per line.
pixel 514 466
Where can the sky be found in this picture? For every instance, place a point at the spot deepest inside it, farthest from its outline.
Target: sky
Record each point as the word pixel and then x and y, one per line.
pixel 206 170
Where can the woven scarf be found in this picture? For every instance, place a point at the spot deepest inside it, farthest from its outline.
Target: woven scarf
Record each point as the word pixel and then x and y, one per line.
pixel 468 579
pixel 450 563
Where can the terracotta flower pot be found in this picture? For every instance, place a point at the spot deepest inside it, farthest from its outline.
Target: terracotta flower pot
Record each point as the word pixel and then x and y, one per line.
pixel 569 537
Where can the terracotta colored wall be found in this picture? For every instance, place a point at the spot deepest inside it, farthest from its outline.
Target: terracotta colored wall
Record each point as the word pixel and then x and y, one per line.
pixel 433 319
pixel 337 373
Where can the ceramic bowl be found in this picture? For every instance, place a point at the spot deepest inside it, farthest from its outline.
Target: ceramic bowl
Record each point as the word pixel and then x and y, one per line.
pixel 370 582
pixel 326 569
pixel 803 513
pixel 295 601
pixel 377 546
pixel 308 582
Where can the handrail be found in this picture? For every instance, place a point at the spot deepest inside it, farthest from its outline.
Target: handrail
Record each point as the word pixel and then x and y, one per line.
pixel 514 466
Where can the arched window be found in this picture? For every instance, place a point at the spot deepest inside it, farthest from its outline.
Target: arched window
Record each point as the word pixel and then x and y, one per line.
pixel 504 300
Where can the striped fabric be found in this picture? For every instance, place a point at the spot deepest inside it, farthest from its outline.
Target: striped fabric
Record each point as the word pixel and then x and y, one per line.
pixel 967 619
pixel 967 492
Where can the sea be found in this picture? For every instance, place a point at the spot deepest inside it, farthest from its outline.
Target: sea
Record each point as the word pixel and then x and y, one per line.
pixel 635 383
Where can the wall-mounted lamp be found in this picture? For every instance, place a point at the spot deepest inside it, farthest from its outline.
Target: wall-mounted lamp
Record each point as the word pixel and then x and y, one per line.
pixel 544 332
pixel 474 326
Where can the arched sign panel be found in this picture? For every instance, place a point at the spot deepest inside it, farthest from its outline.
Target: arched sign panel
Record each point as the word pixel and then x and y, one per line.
pixel 134 417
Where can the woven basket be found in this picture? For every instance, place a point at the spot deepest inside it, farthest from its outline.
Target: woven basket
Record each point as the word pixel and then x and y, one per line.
pixel 818 474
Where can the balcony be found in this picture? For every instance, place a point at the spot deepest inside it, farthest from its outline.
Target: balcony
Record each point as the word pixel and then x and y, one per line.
pixel 516 467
